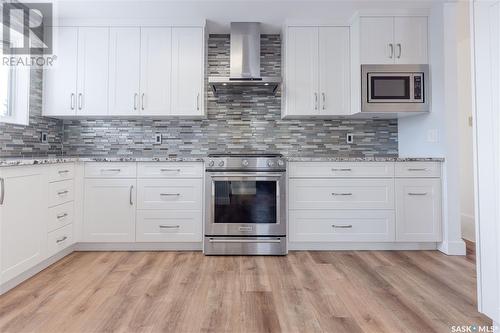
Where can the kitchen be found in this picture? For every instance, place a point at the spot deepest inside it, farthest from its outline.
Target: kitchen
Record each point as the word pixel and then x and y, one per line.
pixel 171 137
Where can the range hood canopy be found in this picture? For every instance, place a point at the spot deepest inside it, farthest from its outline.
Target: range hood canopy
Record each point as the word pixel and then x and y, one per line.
pixel 244 63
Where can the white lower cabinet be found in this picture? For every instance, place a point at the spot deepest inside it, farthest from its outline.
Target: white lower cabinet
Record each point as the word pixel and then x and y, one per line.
pixel 418 209
pixel 23 208
pixel 59 239
pixel 169 226
pixel 109 210
pixel 178 194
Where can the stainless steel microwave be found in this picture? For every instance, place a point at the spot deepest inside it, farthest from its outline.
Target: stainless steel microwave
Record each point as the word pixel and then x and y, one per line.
pixel 395 88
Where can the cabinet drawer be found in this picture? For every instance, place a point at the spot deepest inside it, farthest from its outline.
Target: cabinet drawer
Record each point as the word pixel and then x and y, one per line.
pixel 418 169
pixel 63 171
pixel 59 239
pixel 169 226
pixel 341 194
pixel 170 170
pixel 178 194
pixel 341 169
pixel 110 170
pixel 60 192
pixel 342 225
pixel 59 216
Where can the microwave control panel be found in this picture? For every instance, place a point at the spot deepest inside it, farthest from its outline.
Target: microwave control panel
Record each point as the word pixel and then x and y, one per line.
pixel 417 87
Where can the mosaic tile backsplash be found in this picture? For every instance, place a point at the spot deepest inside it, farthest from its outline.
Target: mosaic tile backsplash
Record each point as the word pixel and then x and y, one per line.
pixel 245 122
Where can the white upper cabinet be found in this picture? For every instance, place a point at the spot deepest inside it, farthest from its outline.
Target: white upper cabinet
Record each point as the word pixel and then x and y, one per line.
pixel 301 78
pixel 156 71
pixel 317 71
pixel 334 73
pixel 59 86
pixel 92 87
pixel 394 40
pixel 377 40
pixel 124 71
pixel 410 38
pixel 187 71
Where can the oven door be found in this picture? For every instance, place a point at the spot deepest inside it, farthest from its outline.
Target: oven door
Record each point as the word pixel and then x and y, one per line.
pixel 245 204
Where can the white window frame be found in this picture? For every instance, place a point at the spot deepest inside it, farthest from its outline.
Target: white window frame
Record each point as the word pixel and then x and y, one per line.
pixel 19 94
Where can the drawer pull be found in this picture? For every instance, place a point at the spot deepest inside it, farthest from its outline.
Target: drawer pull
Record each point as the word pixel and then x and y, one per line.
pixel 61 239
pixel 169 226
pixel 62 171
pixel 341 194
pixel 415 193
pixel 111 170
pixel 345 226
pixel 63 192
pixel 62 216
pixel 418 169
pixel 170 194
pixel 174 170
pixel 342 169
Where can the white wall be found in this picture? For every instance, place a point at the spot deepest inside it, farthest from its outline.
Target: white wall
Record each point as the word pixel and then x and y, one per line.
pixel 465 112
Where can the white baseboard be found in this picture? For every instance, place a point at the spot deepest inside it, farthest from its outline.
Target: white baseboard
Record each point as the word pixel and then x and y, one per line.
pixel 468 226
pixel 195 246
pixel 296 246
pixel 14 282
pixel 453 248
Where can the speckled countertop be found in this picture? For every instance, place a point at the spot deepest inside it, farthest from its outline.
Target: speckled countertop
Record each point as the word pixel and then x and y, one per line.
pixel 58 159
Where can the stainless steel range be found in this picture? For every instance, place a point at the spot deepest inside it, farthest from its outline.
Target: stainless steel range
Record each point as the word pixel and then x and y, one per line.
pixel 245 205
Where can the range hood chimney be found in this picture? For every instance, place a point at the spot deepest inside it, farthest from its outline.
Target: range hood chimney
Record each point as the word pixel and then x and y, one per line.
pixel 244 63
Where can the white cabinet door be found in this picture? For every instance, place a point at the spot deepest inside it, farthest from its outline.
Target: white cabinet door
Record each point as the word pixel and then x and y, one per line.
pixel 156 71
pixel 410 40
pixel 93 51
pixel 418 210
pixel 301 80
pixel 124 71
pixel 59 80
pixel 377 40
pixel 109 210
pixel 187 71
pixel 334 71
pixel 23 222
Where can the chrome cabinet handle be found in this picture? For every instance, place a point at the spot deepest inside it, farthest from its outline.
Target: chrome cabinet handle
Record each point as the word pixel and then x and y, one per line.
pixel 62 216
pixel 111 170
pixel 62 239
pixel 169 194
pixel 211 240
pixel 80 101
pixel 198 101
pixel 2 190
pixel 342 226
pixel 324 100
pixel 72 101
pixel 417 193
pixel 169 226
pixel 391 46
pixel 315 101
pixel 165 170
pixel 62 171
pixel 62 192
pixel 341 169
pixel 130 195
pixel 142 102
pixel 417 169
pixel 399 49
pixel 341 194
pixel 135 101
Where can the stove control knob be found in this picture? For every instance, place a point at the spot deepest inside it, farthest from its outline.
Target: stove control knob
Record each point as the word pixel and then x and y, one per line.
pixel 270 163
pixel 211 163
pixel 244 163
pixel 221 163
pixel 281 163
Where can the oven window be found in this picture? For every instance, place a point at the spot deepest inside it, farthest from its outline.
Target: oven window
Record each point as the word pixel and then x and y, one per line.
pixel 245 201
pixel 390 87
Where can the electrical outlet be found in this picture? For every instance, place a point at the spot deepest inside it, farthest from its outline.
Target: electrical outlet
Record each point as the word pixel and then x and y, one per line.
pixel 158 138
pixel 44 137
pixel 349 138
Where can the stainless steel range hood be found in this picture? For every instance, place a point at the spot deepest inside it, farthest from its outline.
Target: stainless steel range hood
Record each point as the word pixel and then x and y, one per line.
pixel 244 64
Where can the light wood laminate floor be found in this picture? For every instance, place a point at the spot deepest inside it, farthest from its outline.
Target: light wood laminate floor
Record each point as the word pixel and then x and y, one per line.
pixel 350 291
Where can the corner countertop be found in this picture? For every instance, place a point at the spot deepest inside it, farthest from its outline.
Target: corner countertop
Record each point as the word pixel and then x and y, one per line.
pixel 13 161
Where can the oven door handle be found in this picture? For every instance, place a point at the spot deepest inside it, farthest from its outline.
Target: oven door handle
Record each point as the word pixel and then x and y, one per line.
pixel 246 175
pixel 211 240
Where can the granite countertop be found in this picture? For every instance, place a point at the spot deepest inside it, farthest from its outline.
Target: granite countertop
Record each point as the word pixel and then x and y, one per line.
pixel 13 161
